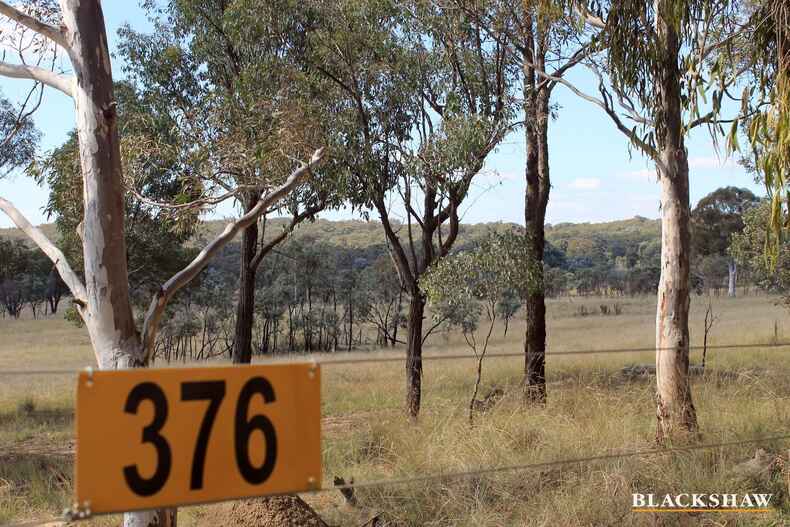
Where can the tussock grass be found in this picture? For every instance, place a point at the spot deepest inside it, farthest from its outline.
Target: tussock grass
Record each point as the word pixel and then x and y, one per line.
pixel 592 409
pixel 580 420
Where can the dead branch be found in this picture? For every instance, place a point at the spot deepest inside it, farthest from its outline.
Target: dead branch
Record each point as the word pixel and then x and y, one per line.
pixel 188 273
pixel 51 32
pixel 70 278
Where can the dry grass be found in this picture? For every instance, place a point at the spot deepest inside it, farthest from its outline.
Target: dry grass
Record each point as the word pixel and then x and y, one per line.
pixel 591 410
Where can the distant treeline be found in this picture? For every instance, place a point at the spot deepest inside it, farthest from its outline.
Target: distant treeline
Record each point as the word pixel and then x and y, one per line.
pixel 332 285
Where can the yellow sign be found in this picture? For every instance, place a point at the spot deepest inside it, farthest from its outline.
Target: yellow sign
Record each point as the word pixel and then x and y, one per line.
pixel 152 438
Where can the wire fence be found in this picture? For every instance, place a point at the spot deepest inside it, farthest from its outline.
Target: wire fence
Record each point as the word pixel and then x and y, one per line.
pixel 505 468
pixel 445 476
pixel 778 346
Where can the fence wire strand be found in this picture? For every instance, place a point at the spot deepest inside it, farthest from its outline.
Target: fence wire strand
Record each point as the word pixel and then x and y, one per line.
pixel 479 471
pixel 493 470
pixel 288 358
pixel 544 464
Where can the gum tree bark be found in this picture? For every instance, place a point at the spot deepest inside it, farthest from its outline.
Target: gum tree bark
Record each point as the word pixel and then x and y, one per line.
pixel 660 92
pixel 245 308
pixel 675 410
pixel 536 110
pixel 104 303
pixel 108 313
pixel 536 45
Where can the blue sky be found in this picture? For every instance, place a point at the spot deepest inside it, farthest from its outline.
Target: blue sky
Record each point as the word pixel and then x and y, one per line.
pixel 593 178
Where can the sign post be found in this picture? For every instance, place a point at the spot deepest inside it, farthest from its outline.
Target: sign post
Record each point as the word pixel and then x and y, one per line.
pixel 153 438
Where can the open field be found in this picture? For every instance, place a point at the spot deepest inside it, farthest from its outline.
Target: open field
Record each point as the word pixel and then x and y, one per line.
pixel 592 409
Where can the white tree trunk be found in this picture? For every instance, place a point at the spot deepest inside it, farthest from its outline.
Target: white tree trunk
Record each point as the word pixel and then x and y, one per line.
pixel 675 411
pixel 733 278
pixel 107 312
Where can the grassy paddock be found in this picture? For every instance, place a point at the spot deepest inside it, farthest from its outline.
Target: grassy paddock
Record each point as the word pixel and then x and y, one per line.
pixel 591 410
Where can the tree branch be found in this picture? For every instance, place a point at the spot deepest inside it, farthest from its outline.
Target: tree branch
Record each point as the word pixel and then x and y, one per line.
pixel 51 32
pixel 433 328
pixel 589 18
pixel 396 251
pixel 188 273
pixel 60 82
pixel 296 220
pixel 606 105
pixel 578 56
pixel 69 277
pixel 196 204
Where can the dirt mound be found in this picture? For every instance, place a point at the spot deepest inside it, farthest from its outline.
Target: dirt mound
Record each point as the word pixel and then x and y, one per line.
pixel 277 511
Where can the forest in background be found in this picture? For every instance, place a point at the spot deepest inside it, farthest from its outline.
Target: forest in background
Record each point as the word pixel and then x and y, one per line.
pixel 331 285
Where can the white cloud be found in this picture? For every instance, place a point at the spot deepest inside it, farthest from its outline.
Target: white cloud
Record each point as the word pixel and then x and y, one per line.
pixel 582 183
pixel 642 175
pixel 711 162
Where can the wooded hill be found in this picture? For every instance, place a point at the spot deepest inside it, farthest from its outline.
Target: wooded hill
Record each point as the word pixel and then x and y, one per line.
pixel 574 238
pixel 578 242
pixel 619 257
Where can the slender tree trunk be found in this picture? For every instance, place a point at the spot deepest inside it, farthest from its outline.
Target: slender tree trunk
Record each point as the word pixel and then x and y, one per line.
pixel 733 277
pixel 396 320
pixel 414 354
pixel 536 200
pixel 350 324
pixel 245 309
pixel 675 413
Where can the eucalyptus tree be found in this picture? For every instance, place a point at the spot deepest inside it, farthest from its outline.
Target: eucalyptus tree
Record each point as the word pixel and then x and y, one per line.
pixel 154 237
pixel 18 141
pixel 478 280
pixel 545 39
pixel 102 299
pixel 547 43
pixel 748 248
pixel 427 95
pixel 715 219
pixel 18 135
pixel 226 73
pixel 659 61
pixel 768 127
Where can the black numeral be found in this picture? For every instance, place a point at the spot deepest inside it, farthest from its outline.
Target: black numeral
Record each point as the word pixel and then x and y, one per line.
pixel 213 391
pixel 148 391
pixel 244 428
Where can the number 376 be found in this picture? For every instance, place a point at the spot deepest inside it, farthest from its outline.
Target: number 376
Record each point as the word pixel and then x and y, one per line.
pixel 214 392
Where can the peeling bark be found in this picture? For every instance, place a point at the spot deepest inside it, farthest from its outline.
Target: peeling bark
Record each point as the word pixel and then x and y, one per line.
pixel 108 313
pixel 675 412
pixel 103 301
